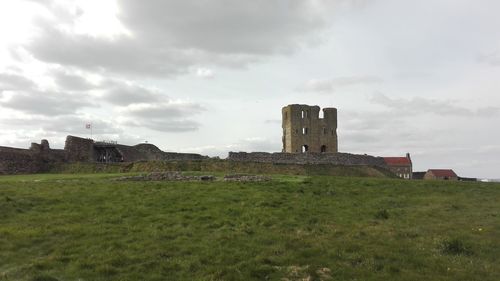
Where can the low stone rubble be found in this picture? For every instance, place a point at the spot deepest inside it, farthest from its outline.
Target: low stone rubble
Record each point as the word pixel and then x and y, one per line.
pixel 178 176
pixel 245 178
pixel 168 176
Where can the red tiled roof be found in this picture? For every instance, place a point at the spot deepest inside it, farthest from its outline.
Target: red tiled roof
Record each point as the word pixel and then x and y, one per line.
pixel 443 173
pixel 397 161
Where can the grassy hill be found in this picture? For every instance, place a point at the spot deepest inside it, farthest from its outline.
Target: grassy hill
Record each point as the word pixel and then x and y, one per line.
pixel 92 227
pixel 222 165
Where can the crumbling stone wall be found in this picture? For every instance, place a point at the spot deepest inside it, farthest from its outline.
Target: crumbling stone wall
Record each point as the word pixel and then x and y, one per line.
pixel 346 159
pixel 39 158
pixel 174 156
pixel 79 149
pixel 17 161
pixel 149 152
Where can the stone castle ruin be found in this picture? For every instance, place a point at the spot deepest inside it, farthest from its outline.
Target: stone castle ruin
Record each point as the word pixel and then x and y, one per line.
pixel 41 158
pixel 308 139
pixel 305 131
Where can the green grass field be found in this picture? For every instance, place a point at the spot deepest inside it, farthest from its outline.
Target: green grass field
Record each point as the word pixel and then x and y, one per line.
pixel 91 227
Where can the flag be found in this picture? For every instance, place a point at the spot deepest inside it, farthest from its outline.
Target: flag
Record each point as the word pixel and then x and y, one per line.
pixel 88 126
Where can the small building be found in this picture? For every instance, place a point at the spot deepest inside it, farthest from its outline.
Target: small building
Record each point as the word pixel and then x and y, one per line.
pixel 440 174
pixel 400 166
pixel 418 175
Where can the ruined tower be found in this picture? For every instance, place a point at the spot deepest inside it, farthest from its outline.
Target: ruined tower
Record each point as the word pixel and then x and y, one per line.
pixel 305 131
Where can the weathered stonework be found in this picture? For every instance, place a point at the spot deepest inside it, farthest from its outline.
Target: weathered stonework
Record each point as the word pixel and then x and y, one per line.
pixel 345 159
pixel 305 131
pixel 79 149
pixel 40 157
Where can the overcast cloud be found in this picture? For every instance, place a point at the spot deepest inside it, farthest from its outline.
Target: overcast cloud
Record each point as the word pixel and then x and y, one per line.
pixel 212 76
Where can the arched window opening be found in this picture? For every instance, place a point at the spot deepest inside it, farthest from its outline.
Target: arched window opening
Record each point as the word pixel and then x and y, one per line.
pixel 323 148
pixel 305 131
pixel 324 131
pixel 305 148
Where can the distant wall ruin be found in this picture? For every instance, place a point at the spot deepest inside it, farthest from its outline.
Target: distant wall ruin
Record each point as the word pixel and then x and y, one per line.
pixel 40 157
pixel 345 159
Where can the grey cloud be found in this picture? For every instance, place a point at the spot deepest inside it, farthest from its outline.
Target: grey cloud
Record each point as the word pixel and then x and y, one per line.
pixel 168 110
pixel 418 105
pixel 168 37
pixel 12 82
pixel 45 103
pixel 56 125
pixel 331 85
pixel 115 92
pixel 165 117
pixel 377 132
pixel 165 125
pixel 124 94
pixel 71 82
pixel 123 55
pixel 491 58
pixel 249 27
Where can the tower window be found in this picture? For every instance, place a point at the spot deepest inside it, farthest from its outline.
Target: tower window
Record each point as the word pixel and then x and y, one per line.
pixel 324 131
pixel 304 131
pixel 305 148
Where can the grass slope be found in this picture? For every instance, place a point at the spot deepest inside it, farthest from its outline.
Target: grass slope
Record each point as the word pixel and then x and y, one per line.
pixel 90 227
pixel 214 165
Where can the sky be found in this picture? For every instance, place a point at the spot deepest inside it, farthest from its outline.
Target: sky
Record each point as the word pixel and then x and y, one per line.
pixel 212 76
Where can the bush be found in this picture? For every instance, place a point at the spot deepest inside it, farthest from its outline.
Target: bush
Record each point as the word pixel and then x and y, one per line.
pixel 454 247
pixel 382 214
pixel 44 278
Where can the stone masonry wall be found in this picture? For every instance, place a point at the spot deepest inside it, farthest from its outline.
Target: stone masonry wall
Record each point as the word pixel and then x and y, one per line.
pixel 41 158
pixel 174 156
pixel 304 130
pixel 27 161
pixel 16 161
pixel 308 158
pixel 79 149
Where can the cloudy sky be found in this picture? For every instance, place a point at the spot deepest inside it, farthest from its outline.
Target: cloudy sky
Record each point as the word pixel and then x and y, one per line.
pixel 211 76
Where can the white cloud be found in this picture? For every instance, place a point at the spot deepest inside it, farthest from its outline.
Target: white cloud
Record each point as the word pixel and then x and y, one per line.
pixel 205 73
pixel 419 106
pixel 331 85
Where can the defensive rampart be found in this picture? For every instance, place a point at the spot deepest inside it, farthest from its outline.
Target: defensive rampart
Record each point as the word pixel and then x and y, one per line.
pixel 41 158
pixel 345 159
